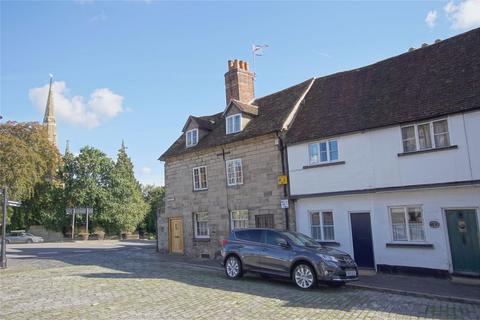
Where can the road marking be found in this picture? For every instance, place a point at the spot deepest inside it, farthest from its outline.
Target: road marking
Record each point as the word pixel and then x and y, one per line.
pixel 49 252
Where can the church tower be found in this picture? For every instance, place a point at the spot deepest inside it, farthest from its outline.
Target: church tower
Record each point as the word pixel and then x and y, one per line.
pixel 49 118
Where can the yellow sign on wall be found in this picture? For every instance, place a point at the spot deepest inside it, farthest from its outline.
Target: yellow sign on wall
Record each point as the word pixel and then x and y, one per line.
pixel 282 180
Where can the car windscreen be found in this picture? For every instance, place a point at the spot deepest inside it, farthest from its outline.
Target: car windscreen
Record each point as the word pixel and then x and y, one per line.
pixel 301 240
pixel 249 235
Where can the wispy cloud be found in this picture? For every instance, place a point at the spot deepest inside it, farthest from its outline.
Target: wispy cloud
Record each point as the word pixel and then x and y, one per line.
pixel 431 18
pixel 464 14
pixel 99 17
pixel 102 105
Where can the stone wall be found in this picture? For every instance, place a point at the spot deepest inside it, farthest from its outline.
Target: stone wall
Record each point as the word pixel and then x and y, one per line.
pixel 259 193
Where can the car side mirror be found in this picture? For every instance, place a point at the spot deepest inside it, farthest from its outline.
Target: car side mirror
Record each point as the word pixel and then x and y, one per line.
pixel 283 243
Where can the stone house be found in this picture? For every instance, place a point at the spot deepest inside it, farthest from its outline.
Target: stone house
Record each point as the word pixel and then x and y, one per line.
pixel 223 171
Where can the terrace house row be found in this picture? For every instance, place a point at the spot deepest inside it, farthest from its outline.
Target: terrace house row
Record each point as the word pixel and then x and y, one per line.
pixel 383 162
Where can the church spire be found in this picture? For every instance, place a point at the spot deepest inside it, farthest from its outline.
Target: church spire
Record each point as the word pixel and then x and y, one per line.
pixel 49 118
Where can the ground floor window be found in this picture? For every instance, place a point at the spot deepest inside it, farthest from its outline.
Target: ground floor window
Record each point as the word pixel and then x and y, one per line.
pixel 264 221
pixel 321 223
pixel 201 225
pixel 239 219
pixel 407 223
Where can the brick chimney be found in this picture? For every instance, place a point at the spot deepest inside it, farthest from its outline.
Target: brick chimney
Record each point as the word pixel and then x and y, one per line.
pixel 239 82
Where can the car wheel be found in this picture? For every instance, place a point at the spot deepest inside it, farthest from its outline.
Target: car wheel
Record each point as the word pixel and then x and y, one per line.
pixel 233 267
pixel 304 276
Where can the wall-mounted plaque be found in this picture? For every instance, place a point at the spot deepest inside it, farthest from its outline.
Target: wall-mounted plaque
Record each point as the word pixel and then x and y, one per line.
pixel 434 224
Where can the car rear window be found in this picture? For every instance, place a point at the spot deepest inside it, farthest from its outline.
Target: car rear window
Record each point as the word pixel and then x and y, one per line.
pixel 249 235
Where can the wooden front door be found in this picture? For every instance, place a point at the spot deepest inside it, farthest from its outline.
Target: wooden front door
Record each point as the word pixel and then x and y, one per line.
pixel 464 238
pixel 176 235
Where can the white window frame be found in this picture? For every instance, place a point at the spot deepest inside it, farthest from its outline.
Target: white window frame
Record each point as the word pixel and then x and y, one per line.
pixel 245 220
pixel 188 141
pixel 232 118
pixel 327 142
pixel 238 179
pixel 405 216
pixel 195 226
pixel 431 132
pixel 199 178
pixel 322 224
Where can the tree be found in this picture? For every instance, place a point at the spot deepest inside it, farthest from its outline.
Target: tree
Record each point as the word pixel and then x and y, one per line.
pixel 155 197
pixel 26 158
pixel 29 165
pixel 127 206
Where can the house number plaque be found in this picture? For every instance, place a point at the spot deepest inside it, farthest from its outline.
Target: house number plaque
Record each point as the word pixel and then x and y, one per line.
pixel 434 224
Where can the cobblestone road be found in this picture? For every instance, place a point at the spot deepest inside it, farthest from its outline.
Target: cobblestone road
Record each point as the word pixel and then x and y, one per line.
pixel 132 282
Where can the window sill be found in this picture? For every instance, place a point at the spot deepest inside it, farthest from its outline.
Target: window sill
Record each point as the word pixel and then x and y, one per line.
pixel 199 190
pixel 329 243
pixel 326 164
pixel 427 150
pixel 409 245
pixel 201 239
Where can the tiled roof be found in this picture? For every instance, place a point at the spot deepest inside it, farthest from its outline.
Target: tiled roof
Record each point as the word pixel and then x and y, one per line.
pixel 244 107
pixel 440 79
pixel 273 110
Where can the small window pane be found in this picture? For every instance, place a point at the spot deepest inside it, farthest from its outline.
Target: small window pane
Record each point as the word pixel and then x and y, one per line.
pixel 408 137
pixel 201 224
pixel 313 151
pixel 398 224
pixel 236 126
pixel 415 224
pixel 239 219
pixel 315 219
pixel 323 152
pixel 315 226
pixel 333 149
pixel 440 131
pixel 328 229
pixel 424 138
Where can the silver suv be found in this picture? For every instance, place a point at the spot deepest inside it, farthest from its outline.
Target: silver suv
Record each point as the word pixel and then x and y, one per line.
pixel 22 237
pixel 285 254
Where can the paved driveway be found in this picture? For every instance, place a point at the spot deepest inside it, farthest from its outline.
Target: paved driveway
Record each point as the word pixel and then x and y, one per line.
pixel 122 280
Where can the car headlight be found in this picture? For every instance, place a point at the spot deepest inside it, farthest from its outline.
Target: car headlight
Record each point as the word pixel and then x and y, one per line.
pixel 327 257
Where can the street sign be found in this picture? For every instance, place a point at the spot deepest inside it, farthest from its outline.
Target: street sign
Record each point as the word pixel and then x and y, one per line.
pixel 284 203
pixel 80 211
pixel 11 203
pixel 282 180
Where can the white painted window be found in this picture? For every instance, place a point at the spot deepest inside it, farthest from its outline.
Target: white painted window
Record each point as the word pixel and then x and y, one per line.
pixel 201 225
pixel 323 151
pixel 234 172
pixel 191 137
pixel 423 136
pixel 407 223
pixel 200 178
pixel 239 219
pixel 234 123
pixel 321 223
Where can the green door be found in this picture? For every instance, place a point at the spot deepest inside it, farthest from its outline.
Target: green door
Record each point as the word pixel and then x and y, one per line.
pixel 464 240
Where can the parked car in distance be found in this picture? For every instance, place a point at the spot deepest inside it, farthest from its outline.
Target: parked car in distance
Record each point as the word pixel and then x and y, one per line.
pixel 285 254
pixel 22 237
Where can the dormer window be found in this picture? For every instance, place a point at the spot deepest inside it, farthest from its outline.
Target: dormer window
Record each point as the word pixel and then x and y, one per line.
pixel 234 123
pixel 192 138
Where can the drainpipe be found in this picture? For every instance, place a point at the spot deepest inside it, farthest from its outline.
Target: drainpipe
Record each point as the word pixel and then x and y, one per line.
pixel 283 154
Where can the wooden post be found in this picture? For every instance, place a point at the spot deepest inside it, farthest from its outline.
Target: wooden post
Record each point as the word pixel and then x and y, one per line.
pixel 86 225
pixel 73 224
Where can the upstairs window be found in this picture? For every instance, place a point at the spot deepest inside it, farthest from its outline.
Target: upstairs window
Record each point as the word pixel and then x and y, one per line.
pixel 234 123
pixel 425 136
pixel 407 224
pixel 234 172
pixel 200 178
pixel 192 137
pixel 324 151
pixel 322 225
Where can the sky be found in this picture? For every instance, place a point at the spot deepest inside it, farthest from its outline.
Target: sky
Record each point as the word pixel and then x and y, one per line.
pixel 135 70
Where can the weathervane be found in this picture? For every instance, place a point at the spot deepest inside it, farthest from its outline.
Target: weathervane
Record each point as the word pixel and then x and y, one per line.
pixel 257 50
